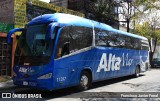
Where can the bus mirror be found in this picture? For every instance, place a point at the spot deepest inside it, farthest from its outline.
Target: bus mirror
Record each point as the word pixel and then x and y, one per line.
pixel 65 49
pixel 50 30
pixel 12 32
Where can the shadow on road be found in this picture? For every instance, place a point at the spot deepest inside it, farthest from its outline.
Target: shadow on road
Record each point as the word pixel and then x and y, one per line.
pixel 112 81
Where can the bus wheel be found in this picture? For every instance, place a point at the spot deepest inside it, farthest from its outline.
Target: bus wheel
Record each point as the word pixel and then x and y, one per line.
pixel 85 81
pixel 137 72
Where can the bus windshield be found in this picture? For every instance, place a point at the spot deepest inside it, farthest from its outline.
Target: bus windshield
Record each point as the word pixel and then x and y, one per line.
pixel 32 47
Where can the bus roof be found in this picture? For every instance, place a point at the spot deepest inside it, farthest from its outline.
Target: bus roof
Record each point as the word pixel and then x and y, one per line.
pixel 67 20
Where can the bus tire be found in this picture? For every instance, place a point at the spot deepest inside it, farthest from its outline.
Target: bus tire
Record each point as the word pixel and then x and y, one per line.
pixel 85 81
pixel 137 72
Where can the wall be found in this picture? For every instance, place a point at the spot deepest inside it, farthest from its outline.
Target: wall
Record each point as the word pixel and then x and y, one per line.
pixel 26 10
pixel 15 14
pixel 6 15
pixel 61 3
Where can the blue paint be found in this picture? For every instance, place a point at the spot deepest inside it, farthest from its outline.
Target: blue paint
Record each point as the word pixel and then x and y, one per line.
pixel 12 32
pixel 66 70
pixel 67 19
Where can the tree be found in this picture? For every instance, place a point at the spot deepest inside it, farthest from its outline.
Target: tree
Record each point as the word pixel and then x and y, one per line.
pixel 101 10
pixel 150 31
pixel 133 9
pixel 150 24
pixel 145 14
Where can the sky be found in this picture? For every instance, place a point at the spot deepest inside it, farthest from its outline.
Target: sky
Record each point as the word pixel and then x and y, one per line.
pixel 45 0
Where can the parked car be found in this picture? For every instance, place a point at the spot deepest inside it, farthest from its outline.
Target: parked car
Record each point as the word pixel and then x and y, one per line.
pixel 155 62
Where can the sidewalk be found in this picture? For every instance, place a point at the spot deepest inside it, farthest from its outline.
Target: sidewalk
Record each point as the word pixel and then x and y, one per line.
pixel 7 84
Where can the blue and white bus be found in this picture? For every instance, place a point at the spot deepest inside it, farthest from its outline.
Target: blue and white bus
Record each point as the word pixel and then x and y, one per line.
pixel 60 50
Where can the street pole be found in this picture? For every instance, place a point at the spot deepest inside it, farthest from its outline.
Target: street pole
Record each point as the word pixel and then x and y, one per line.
pixel 128 17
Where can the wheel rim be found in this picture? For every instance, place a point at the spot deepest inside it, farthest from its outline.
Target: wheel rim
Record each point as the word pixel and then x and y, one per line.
pixel 84 80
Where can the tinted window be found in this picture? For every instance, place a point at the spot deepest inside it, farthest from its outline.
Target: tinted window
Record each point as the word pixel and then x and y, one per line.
pixel 136 43
pixel 113 39
pixel 105 38
pixel 80 37
pixel 109 39
pixel 121 41
pixel 144 45
pixel 33 48
pixel 128 43
pixel 72 39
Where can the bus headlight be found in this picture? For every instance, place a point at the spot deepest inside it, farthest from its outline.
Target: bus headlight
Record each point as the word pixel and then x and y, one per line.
pixel 46 76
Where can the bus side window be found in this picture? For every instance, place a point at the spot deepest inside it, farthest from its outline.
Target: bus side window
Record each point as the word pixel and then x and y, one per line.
pixel 62 45
pixel 65 49
pixel 102 38
pixel 128 42
pixel 80 37
pixel 72 39
pixel 136 44
pixel 144 45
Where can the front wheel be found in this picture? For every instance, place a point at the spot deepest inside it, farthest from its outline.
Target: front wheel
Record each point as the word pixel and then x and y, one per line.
pixel 85 81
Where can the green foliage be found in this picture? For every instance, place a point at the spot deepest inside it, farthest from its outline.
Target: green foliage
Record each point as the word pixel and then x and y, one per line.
pixel 145 5
pixel 5 27
pixel 143 2
pixel 157 35
pixel 149 28
pixel 103 9
pixel 147 31
pixel 4 78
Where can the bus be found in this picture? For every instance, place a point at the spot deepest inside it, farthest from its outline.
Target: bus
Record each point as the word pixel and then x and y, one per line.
pixel 59 50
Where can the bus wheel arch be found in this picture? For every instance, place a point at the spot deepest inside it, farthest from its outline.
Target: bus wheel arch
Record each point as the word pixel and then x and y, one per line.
pixel 85 79
pixel 137 71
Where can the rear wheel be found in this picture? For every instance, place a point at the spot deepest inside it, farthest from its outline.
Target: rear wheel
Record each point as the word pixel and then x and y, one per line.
pixel 85 81
pixel 137 72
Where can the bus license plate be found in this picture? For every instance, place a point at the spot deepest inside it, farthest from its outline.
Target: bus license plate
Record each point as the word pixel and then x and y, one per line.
pixel 25 83
pixel 32 83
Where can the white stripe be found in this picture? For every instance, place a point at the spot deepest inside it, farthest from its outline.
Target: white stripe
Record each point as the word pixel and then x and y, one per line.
pixel 145 45
pixel 93 41
pixel 77 52
pixel 143 41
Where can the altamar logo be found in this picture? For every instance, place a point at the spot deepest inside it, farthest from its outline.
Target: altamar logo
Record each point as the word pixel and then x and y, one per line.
pixel 114 62
pixel 26 70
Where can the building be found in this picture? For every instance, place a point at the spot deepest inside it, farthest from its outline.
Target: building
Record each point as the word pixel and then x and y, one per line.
pixel 15 14
pixel 123 28
pixel 61 3
pixel 86 7
pixel 120 10
pixel 125 12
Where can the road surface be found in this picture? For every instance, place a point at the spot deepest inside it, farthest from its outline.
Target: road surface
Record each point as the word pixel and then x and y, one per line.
pixel 104 90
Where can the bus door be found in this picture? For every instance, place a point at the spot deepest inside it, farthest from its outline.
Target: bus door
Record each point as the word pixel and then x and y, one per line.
pixel 61 73
pixel 61 60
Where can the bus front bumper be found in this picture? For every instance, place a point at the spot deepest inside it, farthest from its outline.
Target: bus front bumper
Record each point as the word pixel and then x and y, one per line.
pixel 45 84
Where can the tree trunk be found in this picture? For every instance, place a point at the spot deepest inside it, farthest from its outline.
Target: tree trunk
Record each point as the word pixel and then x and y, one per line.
pixel 152 52
pixel 127 24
